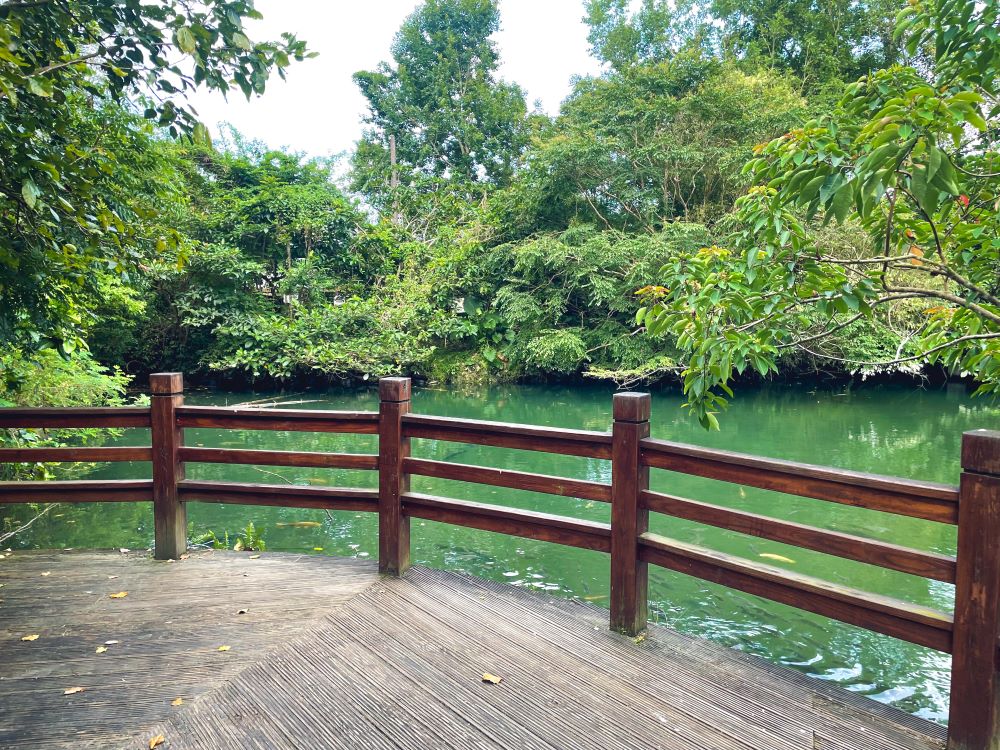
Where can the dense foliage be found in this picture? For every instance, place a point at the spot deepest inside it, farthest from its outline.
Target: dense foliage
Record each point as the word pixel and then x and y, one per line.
pixel 772 215
pixel 910 156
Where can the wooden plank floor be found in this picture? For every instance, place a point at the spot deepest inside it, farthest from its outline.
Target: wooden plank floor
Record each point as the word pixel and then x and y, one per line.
pixel 360 662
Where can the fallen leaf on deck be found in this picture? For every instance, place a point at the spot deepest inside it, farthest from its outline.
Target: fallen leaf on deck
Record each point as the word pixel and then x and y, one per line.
pixel 46 573
pixel 242 611
pixel 110 643
pixel 779 558
pixel 30 638
pixel 254 557
pixel 111 578
pixel 72 691
pixel 157 741
pixel 492 678
pixel 223 648
pixel 177 702
pixel 101 649
pixel 119 595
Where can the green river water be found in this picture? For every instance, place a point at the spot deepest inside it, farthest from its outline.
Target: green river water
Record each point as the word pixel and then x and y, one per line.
pixel 888 430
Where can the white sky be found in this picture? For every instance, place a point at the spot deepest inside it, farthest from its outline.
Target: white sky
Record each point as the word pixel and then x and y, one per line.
pixel 318 109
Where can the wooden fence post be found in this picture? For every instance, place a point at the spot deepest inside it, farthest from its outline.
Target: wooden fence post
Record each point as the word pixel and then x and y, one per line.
pixel 169 513
pixel 628 518
pixel 974 719
pixel 393 524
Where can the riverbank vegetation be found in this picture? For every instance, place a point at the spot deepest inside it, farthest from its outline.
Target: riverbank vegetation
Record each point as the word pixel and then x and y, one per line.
pixel 741 190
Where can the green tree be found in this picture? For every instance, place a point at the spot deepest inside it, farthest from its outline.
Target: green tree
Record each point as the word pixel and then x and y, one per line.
pixel 912 156
pixel 835 40
pixel 68 213
pixel 622 38
pixel 454 125
pixel 273 206
pixel 656 143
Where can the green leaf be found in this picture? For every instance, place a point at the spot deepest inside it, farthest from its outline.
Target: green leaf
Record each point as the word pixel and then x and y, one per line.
pixel 201 135
pixel 40 86
pixel 186 40
pixel 30 192
pixel 242 41
pixel 842 202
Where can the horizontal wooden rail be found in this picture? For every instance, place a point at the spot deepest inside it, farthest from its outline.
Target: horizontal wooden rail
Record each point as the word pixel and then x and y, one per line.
pixel 524 523
pixel 583 443
pixel 926 500
pixel 67 455
pixel 848 546
pixel 65 417
pixel 279 458
pixel 283 495
pixel 77 491
pixel 294 420
pixel 921 625
pixel 518 480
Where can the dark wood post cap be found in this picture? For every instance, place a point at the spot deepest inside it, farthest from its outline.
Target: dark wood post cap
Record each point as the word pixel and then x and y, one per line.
pixel 166 383
pixel 631 407
pixel 981 451
pixel 394 389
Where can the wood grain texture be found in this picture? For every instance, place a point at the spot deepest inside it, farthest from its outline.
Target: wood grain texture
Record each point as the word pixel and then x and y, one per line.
pixel 77 491
pixel 503 435
pixel 894 617
pixel 981 451
pixel 393 480
pixel 974 718
pixel 168 628
pixel 169 513
pixel 629 517
pixel 292 420
pixel 65 455
pixel 871 551
pixel 399 666
pixel 928 500
pixel 281 495
pixel 65 417
pixel 525 523
pixel 518 480
pixel 280 458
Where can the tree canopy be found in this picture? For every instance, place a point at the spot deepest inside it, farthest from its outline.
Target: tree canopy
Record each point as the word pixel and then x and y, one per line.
pixel 80 177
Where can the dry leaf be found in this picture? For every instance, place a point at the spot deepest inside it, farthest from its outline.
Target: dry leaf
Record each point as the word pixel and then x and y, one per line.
pixel 101 649
pixel 46 573
pixel 111 578
pixel 242 611
pixel 72 691
pixel 223 648
pixel 254 557
pixel 492 678
pixel 110 643
pixel 177 702
pixel 157 741
pixel 30 638
pixel 119 595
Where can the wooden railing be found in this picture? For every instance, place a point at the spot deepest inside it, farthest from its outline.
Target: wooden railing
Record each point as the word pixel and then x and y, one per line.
pixel 971 634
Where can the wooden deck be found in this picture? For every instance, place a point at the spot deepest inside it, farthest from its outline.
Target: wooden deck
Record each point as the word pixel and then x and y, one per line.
pixel 328 655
